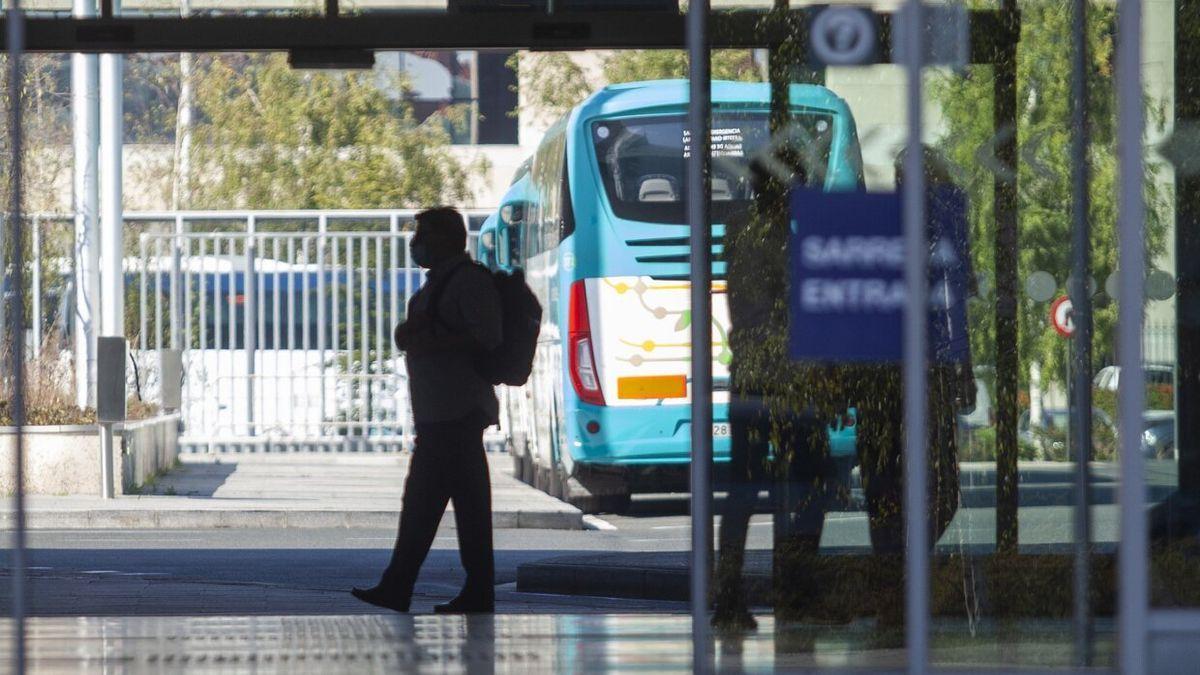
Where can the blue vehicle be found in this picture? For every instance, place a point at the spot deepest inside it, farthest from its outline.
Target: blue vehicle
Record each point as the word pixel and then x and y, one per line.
pixel 498 243
pixel 604 245
pixel 485 244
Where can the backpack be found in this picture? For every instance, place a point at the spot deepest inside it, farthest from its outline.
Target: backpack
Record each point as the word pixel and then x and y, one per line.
pixel 521 316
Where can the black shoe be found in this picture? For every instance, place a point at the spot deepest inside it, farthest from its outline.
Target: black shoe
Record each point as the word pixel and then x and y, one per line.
pixel 379 597
pixel 467 605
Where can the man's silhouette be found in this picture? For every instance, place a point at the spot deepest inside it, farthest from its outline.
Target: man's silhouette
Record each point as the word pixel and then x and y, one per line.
pixel 453 318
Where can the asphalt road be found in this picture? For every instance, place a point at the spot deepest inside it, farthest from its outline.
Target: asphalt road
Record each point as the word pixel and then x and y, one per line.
pixel 309 571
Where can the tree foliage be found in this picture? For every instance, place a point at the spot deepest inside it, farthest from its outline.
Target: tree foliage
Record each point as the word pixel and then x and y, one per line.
pixel 556 82
pixel 1044 175
pixel 269 136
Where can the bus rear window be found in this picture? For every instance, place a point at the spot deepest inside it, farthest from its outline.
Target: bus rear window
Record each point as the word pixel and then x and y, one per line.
pixel 642 161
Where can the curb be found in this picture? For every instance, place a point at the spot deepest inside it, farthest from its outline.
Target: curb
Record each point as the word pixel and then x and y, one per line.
pixel 200 519
pixel 573 577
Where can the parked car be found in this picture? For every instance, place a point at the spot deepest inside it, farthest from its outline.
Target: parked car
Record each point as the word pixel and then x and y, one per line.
pixel 982 415
pixel 1109 377
pixel 1049 434
pixel 1158 435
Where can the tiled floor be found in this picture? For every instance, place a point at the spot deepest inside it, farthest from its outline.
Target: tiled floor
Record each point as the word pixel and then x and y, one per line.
pixel 500 644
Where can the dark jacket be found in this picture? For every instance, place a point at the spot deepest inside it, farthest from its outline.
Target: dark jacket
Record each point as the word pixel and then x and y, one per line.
pixel 442 380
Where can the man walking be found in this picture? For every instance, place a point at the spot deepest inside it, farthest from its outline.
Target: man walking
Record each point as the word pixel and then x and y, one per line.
pixel 453 318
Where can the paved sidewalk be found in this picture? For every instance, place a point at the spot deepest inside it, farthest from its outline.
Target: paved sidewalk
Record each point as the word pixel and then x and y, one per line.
pixel 535 643
pixel 284 490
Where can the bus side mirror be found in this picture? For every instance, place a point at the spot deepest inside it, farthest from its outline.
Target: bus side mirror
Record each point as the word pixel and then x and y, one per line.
pixel 512 216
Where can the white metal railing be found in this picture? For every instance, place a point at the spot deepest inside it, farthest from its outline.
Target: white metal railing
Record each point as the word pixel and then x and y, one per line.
pixel 285 335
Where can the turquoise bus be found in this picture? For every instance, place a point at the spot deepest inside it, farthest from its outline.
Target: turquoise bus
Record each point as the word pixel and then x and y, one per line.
pixel 604 245
pixel 490 250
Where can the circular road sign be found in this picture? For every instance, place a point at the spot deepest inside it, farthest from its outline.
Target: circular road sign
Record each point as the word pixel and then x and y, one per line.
pixel 1062 316
pixel 843 36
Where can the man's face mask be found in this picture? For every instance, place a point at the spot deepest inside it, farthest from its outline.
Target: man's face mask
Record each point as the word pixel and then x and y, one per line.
pixel 420 253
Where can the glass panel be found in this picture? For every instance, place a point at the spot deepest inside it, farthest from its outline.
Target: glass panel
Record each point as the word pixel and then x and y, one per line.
pixel 1169 437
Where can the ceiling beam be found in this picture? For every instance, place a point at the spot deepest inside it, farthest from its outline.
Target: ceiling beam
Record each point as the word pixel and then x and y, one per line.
pixel 423 30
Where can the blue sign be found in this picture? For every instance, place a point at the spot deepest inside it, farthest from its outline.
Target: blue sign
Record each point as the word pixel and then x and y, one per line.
pixel 847 286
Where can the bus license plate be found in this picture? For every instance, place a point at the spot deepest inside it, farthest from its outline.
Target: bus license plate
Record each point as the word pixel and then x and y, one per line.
pixel 721 430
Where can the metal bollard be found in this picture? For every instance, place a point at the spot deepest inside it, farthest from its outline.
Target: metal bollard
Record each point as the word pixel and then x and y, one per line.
pixel 110 403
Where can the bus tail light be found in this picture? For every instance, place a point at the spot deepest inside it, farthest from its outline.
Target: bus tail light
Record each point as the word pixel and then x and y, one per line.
pixel 584 376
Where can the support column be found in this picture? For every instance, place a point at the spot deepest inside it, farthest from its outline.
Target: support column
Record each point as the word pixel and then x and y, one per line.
pixel 85 121
pixel 1004 200
pixel 700 240
pixel 112 278
pixel 1179 516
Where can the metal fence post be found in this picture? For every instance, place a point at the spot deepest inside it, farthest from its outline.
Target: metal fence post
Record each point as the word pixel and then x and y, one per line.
pixel 700 225
pixel 36 295
pixel 916 557
pixel 250 320
pixel 1133 586
pixel 322 236
pixel 15 44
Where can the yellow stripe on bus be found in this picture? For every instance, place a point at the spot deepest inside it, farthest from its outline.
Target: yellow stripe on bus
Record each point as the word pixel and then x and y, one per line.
pixel 652 387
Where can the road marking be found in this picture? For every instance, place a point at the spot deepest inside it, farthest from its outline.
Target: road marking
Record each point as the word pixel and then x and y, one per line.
pixel 127 574
pixel 685 527
pixel 594 523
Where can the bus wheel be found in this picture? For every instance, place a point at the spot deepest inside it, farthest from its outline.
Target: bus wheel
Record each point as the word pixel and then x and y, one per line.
pixel 541 479
pixel 557 484
pixel 518 468
pixel 577 495
pixel 527 469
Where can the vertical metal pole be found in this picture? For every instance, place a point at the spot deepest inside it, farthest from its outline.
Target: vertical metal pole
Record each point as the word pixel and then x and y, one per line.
pixel 305 339
pixel 364 345
pixel 1133 585
pixel 700 224
pixel 204 281
pixel 322 235
pixel 185 346
pixel 231 311
pixel 107 450
pixel 176 291
pixel 143 322
pixel 16 44
pixel 1080 363
pixel 158 284
pixel 112 275
pixel 916 458
pixel 377 357
pixel 85 121
pixel 249 319
pixel 36 281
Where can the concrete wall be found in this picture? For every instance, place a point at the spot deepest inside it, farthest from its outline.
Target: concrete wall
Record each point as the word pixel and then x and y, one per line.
pixel 65 460
pixel 149 447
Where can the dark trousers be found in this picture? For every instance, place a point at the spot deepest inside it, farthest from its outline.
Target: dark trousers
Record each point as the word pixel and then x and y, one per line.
pixel 448 465
pixel 803 446
pixel 880 451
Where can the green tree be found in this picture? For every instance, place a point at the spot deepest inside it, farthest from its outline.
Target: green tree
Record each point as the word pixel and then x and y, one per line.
pixel 1044 174
pixel 268 136
pixel 556 81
